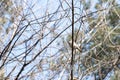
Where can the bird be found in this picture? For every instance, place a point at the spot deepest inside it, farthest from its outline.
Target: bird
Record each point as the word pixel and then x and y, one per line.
pixel 75 45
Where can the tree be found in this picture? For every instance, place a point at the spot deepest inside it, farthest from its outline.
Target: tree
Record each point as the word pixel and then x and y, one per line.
pixel 100 47
pixel 36 41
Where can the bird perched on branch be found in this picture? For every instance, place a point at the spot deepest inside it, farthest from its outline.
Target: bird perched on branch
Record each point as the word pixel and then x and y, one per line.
pixel 75 45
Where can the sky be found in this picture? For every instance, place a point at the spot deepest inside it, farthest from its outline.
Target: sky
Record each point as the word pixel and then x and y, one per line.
pixel 41 8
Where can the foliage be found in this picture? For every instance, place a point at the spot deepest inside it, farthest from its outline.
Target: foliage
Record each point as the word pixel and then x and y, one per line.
pixel 35 39
pixel 103 42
